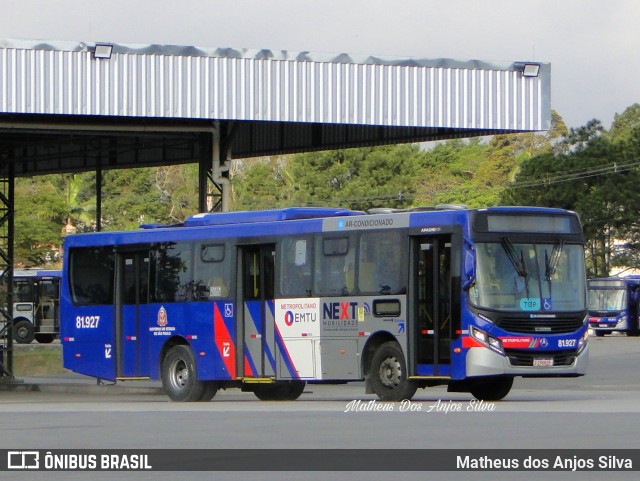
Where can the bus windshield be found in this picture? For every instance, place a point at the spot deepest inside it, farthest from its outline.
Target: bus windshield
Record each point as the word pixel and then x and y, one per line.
pixel 607 299
pixel 547 277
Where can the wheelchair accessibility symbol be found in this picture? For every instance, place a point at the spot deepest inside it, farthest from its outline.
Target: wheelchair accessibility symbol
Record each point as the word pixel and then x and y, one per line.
pixel 547 304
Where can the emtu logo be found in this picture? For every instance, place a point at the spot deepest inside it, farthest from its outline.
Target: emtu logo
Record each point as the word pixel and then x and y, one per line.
pixel 291 318
pixel 288 318
pixel 23 460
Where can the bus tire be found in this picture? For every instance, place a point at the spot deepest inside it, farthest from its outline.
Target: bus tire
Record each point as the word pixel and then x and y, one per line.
pixel 296 390
pixel 600 333
pixel 388 373
pixel 179 376
pixel 45 338
pixel 492 389
pixel 280 391
pixel 23 332
pixel 209 391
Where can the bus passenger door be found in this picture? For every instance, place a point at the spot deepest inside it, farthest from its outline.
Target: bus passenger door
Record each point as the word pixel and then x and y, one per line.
pixel 258 319
pixel 48 309
pixel 432 305
pixel 132 292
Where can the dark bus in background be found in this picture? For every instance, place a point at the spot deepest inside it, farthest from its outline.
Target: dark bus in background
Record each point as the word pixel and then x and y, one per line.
pixel 613 305
pixel 36 305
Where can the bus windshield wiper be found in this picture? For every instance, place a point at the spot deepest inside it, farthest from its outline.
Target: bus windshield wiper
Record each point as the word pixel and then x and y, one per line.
pixel 518 264
pixel 552 262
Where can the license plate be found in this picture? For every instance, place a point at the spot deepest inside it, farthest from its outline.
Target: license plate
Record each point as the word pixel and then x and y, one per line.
pixel 542 361
pixel 603 325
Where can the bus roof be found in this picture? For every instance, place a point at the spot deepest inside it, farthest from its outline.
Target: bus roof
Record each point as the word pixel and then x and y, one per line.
pixel 250 217
pixel 295 220
pixel 31 272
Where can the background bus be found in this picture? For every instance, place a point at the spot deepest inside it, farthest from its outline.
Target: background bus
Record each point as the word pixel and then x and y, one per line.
pixel 613 305
pixel 267 301
pixel 36 305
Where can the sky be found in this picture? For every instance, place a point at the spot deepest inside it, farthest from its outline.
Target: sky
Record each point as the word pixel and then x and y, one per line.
pixel 593 46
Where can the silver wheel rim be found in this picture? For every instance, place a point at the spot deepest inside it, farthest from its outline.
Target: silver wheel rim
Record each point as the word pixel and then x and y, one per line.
pixel 179 374
pixel 390 372
pixel 23 332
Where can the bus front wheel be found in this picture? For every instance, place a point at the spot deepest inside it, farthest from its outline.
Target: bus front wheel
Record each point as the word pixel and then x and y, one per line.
pixel 23 332
pixel 492 388
pixel 388 373
pixel 179 377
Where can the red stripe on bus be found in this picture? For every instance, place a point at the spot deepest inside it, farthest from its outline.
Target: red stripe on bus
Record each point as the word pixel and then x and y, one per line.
pixel 468 341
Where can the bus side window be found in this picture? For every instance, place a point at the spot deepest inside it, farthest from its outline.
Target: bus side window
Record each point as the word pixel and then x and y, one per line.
pixel 335 265
pixel 91 274
pixel 23 290
pixel 380 263
pixel 211 279
pixel 173 271
pixel 295 275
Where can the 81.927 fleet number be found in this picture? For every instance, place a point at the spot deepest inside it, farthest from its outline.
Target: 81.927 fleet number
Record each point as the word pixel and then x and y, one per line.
pixel 87 322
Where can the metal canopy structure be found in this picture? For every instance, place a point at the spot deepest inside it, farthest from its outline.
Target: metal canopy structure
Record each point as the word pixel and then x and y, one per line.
pixel 71 107
pixel 61 107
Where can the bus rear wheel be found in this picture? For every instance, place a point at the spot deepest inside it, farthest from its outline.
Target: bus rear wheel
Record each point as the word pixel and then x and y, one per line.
pixel 492 388
pixel 179 376
pixel 23 332
pixel 45 338
pixel 388 373
pixel 280 391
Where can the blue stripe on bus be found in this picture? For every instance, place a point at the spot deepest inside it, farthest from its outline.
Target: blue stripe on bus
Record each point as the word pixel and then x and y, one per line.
pixel 255 312
pixel 285 355
pixel 247 355
pixel 267 350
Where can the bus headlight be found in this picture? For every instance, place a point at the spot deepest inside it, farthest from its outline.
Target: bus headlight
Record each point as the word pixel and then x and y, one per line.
pixel 621 320
pixel 582 342
pixel 487 340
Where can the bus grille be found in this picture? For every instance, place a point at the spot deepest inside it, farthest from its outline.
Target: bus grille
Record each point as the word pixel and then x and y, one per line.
pixel 539 326
pixel 525 358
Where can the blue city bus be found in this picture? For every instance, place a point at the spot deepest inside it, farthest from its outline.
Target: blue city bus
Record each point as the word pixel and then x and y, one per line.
pixel 613 305
pixel 269 301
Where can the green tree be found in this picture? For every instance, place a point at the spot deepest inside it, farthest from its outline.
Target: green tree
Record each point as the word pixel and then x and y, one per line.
pixel 177 189
pixel 262 184
pixel 475 172
pixel 79 200
pixel 625 125
pixel 447 172
pixel 353 178
pixel 130 198
pixel 40 213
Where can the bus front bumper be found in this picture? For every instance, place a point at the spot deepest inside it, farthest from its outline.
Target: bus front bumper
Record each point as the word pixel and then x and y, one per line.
pixel 485 362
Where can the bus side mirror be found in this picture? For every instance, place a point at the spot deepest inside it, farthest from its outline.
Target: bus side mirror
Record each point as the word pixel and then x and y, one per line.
pixel 469 270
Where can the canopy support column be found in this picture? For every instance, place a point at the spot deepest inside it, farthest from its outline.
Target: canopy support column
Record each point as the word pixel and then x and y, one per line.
pixel 7 196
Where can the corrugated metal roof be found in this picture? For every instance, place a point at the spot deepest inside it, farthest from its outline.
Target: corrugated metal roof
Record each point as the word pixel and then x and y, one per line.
pixel 271 86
